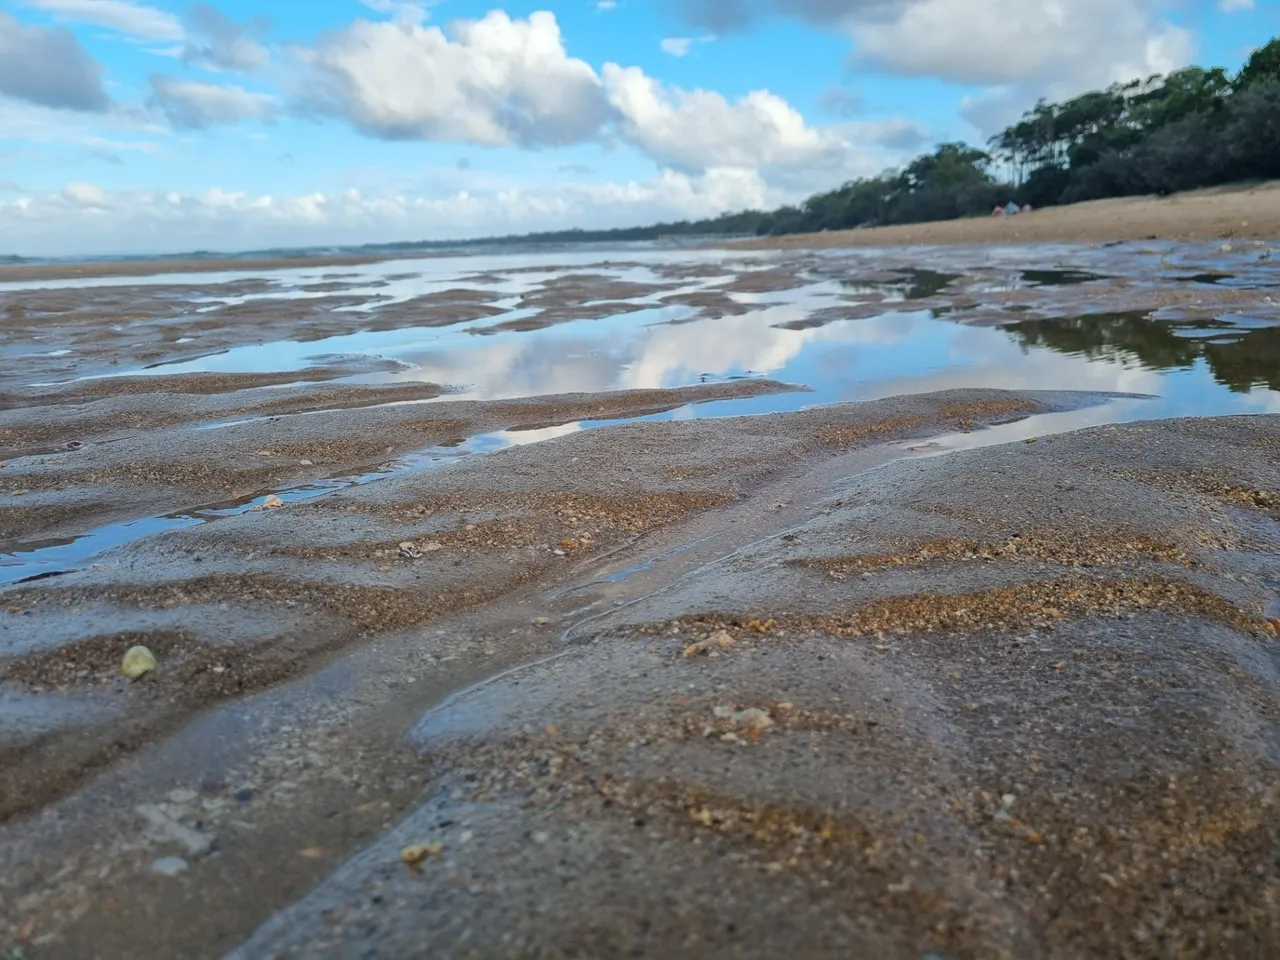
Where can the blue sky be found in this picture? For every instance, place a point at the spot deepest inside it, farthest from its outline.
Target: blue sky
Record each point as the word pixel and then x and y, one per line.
pixel 130 127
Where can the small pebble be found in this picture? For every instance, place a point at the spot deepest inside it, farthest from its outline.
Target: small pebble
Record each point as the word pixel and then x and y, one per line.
pixel 169 866
pixel 414 854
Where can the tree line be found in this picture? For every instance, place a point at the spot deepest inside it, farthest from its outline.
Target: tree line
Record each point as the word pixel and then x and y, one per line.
pixel 1195 127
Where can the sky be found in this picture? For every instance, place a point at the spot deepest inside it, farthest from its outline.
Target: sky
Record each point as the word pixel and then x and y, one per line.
pixel 160 127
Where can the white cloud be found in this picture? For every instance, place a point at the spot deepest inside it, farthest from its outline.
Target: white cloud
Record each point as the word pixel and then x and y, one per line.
pixel 1026 48
pixel 135 19
pixel 500 81
pixel 154 221
pixel 700 129
pixel 998 106
pixel 681 46
pixel 219 43
pixel 84 195
pixel 1081 43
pixel 606 4
pixel 195 105
pixel 493 81
pixel 49 67
pixel 44 138
pixel 1234 6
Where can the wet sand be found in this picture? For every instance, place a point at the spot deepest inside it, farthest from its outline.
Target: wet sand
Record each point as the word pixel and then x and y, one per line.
pixel 147 268
pixel 921 676
pixel 1029 692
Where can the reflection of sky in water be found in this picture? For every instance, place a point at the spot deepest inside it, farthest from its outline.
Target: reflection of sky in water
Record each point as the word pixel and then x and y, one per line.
pixel 1177 366
pixel 844 360
pixel 660 346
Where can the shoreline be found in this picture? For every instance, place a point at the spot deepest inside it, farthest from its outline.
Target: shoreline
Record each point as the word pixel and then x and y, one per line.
pixel 1240 212
pixel 30 272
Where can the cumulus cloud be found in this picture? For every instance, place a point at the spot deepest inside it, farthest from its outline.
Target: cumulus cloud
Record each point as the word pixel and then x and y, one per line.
pixel 700 129
pixel 135 19
pixel 500 81
pixel 219 42
pixel 1075 44
pixel 194 105
pixel 1083 43
pixel 494 81
pixel 153 221
pixel 49 67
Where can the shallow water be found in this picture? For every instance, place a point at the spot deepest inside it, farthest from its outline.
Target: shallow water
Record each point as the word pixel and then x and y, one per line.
pixel 919 320
pixel 1226 363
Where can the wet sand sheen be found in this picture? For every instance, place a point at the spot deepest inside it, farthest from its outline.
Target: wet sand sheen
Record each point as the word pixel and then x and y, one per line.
pixel 1054 618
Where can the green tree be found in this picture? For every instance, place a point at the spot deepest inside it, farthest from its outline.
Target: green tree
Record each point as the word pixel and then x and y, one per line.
pixel 1263 64
pixel 1192 90
pixel 1253 130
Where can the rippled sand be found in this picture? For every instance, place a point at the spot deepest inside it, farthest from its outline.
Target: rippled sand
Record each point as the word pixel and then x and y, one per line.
pixel 587 569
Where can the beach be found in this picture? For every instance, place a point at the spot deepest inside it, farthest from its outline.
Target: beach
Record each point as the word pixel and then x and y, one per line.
pixel 872 600
pixel 1234 212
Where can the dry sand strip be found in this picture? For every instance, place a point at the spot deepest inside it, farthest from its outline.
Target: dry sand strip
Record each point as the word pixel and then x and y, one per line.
pixel 1219 213
pixel 28 272
pixel 1012 702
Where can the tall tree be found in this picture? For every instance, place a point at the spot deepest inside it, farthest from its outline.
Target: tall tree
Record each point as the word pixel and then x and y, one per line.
pixel 1263 64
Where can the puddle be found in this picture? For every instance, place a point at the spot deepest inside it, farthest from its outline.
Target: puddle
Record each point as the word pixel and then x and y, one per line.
pixel 25 716
pixel 38 560
pixel 1058 278
pixel 1234 353
pixel 1186 363
pixel 42 559
pixel 784 334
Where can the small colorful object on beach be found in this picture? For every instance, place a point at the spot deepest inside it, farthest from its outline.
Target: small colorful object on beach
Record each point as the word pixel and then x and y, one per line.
pixel 413 855
pixel 138 661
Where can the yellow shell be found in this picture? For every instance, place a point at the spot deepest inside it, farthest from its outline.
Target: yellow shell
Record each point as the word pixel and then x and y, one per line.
pixel 414 854
pixel 138 661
